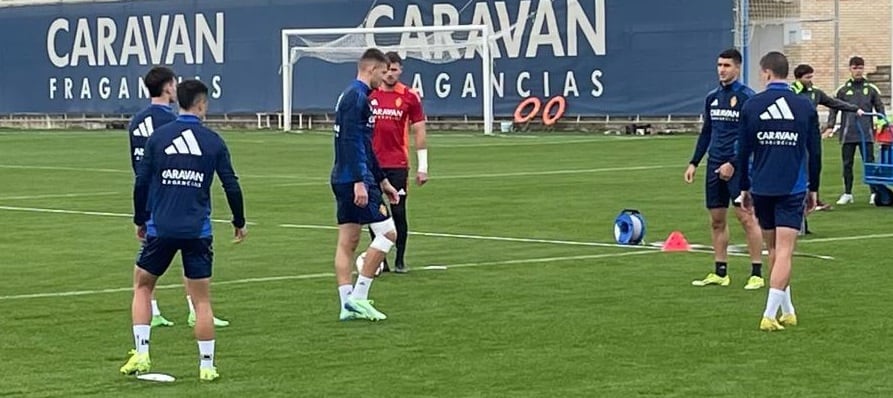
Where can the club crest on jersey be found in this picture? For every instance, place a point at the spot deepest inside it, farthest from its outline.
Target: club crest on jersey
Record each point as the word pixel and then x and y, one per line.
pixel 398 102
pixel 733 101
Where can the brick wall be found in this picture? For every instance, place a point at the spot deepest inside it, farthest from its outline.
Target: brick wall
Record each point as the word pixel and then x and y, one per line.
pixel 864 31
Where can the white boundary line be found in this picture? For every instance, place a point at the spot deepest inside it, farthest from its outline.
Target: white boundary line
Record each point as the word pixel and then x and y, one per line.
pixel 448 235
pixel 61 195
pixel 322 275
pixel 312 180
pixel 84 213
pixel 521 173
pixel 845 238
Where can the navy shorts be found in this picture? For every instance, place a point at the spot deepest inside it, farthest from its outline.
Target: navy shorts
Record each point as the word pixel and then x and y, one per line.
pixel 157 254
pixel 780 211
pixel 349 213
pixel 719 193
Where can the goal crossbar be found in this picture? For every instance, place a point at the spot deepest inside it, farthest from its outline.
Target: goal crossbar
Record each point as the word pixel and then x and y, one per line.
pixel 486 60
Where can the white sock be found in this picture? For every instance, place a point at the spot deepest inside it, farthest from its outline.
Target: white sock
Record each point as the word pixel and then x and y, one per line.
pixel 344 293
pixel 141 338
pixel 155 310
pixel 774 301
pixel 206 353
pixel 361 289
pixel 787 306
pixel 191 307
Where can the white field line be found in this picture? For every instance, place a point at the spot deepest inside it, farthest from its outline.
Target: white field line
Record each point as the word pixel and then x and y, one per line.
pixel 519 174
pixel 79 212
pixel 60 195
pixel 322 275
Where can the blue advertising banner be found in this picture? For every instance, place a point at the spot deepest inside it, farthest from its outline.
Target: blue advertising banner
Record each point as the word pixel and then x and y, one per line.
pixel 647 57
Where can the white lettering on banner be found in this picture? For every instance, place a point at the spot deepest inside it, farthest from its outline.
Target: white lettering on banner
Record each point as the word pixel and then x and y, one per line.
pixel 543 34
pixel 166 41
pixel 523 84
pixel 526 29
pixel 136 40
pixel 105 87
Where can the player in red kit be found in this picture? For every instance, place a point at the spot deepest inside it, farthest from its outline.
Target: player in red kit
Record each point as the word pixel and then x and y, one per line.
pixel 398 110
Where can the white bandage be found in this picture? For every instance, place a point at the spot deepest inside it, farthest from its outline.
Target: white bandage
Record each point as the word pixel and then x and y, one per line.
pixel 381 229
pixel 423 160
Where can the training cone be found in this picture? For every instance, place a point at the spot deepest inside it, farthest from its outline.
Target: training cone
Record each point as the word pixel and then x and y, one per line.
pixel 676 242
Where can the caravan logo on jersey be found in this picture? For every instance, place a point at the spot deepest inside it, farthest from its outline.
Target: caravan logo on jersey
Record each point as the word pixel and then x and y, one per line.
pixel 182 177
pixel 724 115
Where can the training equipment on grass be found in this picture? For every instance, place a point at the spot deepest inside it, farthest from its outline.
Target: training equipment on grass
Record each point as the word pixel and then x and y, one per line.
pixel 629 227
pixel 676 242
pixel 158 377
pixel 879 174
pixel 362 260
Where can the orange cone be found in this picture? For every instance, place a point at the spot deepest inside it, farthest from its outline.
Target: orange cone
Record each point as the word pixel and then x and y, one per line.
pixel 676 242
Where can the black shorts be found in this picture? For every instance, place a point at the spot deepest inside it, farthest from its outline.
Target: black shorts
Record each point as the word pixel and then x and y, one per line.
pixel 719 193
pixel 349 213
pixel 157 254
pixel 780 211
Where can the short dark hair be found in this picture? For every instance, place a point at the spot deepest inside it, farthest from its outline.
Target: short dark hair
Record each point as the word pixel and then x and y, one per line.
pixel 189 92
pixel 857 61
pixel 156 78
pixel 373 55
pixel 732 54
pixel 802 70
pixel 776 63
pixel 393 58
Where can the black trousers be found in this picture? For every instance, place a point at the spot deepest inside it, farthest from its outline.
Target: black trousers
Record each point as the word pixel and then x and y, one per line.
pixel 848 154
pixel 399 178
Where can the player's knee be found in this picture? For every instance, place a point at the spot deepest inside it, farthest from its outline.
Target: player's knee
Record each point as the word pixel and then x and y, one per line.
pixel 349 242
pixel 746 219
pixel 385 235
pixel 717 224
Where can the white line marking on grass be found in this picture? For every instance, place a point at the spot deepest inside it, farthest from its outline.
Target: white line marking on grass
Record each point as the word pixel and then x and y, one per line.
pixel 320 275
pixel 85 213
pixel 122 171
pixel 519 174
pixel 846 238
pixel 484 237
pixel 652 247
pixel 60 195
pixel 61 168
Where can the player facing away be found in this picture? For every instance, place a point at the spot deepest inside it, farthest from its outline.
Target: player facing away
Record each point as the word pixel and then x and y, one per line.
pixel 718 139
pixel 358 183
pixel 781 130
pixel 172 210
pixel 398 109
pixel 161 83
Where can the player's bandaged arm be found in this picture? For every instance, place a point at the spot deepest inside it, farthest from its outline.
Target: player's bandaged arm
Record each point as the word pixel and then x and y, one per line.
pixel 231 187
pixel 421 145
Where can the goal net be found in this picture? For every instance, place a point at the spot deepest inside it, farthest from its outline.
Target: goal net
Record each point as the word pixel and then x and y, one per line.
pixel 802 29
pixel 318 63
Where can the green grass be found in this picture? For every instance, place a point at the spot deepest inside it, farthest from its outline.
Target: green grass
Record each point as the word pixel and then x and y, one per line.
pixel 613 326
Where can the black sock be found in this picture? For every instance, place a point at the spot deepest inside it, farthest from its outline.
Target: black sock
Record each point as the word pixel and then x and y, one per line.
pixel 756 269
pixel 721 268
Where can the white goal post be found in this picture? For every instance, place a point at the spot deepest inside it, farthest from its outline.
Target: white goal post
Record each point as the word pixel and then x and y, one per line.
pixel 351 42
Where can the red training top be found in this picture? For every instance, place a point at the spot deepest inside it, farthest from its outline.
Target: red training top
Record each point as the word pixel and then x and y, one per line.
pixel 394 112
